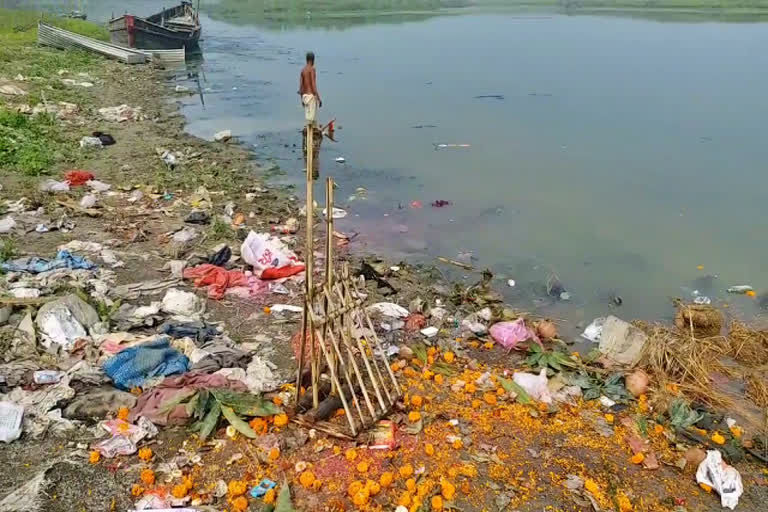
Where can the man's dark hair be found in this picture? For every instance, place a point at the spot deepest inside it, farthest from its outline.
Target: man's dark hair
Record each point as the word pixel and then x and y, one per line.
pixel 311 57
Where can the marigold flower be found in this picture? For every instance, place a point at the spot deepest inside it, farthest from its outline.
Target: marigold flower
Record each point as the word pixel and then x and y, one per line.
pixel 609 418
pixel 148 477
pixel 361 497
pixel 306 479
pixel 414 416
pixel 416 400
pixel 179 491
pixel 281 420
pixel 490 398
pixel 94 457
pixel 449 357
pixel 438 379
pixel 269 497
pixel 145 453
pixel 350 454
pixel 274 454
pixel 717 438
pixel 240 504
pixel 122 413
pixel 429 449
pixel 405 499
pixel 259 425
pixel 373 487
pixel 410 484
pixel 447 489
pixel 137 490
pixel 406 471
pixel 637 458
pixel 355 487
pixel 237 488
pixel 437 503
pixel 386 479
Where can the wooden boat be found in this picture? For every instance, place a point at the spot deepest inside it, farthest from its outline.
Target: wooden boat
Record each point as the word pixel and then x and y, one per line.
pixel 177 27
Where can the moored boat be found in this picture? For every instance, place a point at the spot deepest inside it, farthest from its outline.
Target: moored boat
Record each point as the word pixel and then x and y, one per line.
pixel 177 27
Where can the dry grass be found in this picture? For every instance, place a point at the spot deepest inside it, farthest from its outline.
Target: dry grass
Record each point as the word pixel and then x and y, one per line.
pixel 703 320
pixel 748 346
pixel 757 386
pixel 680 363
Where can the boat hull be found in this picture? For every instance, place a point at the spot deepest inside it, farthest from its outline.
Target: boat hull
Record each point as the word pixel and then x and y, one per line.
pixel 158 32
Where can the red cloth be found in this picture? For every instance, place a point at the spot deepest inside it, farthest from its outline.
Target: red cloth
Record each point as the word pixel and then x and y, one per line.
pixel 279 273
pixel 217 279
pixel 78 177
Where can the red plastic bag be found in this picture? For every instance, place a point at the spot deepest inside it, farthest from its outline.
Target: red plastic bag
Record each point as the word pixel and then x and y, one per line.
pixel 279 273
pixel 78 177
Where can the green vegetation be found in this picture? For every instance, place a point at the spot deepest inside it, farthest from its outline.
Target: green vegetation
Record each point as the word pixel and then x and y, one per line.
pixel 19 53
pixel 30 145
pixel 27 144
pixel 8 249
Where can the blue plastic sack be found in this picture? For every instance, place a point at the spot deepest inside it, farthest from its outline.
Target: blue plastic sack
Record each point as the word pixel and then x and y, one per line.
pixel 36 265
pixel 131 367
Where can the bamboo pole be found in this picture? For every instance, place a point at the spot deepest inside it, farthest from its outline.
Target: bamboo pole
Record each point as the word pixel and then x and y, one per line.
pixel 328 252
pixel 309 262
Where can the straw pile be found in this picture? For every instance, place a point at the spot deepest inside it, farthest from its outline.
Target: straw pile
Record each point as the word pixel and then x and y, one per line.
pixel 684 364
pixel 748 346
pixel 701 319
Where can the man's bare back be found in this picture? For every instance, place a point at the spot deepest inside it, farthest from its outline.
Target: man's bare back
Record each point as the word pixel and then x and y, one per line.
pixel 308 81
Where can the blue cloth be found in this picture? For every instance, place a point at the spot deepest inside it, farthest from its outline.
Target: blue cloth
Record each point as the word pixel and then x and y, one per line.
pixel 36 265
pixel 129 368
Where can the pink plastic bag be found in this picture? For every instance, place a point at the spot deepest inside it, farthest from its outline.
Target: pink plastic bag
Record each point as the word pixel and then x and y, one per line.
pixel 511 334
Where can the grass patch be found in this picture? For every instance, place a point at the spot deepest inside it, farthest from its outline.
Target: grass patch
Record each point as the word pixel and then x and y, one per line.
pixel 19 53
pixel 8 249
pixel 220 230
pixel 29 145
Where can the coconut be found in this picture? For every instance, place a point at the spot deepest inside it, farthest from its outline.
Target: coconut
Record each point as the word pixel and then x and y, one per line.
pixel 637 382
pixel 546 330
pixel 694 456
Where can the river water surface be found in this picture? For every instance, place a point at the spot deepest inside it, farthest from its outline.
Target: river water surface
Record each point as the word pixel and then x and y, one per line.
pixel 626 156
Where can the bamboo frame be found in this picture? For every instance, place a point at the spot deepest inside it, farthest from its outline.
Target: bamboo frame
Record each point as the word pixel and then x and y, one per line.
pixel 331 311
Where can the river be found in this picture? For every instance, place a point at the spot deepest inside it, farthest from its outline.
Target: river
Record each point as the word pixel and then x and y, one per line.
pixel 625 155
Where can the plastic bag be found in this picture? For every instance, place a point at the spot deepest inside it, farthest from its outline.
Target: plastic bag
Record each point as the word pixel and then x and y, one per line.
pixel 10 421
pixel 116 445
pixel 594 330
pixel 264 251
pixel 510 334
pixel 534 385
pixel 721 477
pixel 389 309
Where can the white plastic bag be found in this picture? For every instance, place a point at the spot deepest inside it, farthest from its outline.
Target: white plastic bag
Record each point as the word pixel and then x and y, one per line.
pixel 10 421
pixel 721 477
pixel 534 385
pixel 389 309
pixel 594 330
pixel 264 251
pixel 7 224
pixel 186 304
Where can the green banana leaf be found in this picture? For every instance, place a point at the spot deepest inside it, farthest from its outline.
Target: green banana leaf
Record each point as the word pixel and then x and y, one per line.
pixel 246 404
pixel 237 422
pixel 284 499
pixel 509 385
pixel 209 422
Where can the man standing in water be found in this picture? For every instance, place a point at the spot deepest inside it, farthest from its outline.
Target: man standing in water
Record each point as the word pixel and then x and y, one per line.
pixel 310 98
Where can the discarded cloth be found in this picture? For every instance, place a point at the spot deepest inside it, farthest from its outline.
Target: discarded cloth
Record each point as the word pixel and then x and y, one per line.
pixel 78 177
pixel 511 334
pixel 217 279
pixel 220 356
pixel 162 405
pixel 132 366
pixel 220 257
pixel 282 272
pixel 36 265
pixel 198 331
pixel 65 320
